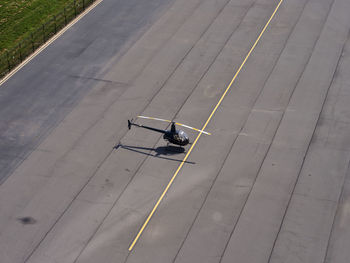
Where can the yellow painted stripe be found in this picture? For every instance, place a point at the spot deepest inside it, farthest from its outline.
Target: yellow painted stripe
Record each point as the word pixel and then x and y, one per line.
pixel 205 125
pixel 49 42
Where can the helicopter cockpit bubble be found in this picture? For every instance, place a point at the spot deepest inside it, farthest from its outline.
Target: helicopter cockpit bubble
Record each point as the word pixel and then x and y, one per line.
pixel 183 136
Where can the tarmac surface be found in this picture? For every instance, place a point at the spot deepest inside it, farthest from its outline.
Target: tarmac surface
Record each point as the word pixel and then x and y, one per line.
pixel 44 92
pixel 271 184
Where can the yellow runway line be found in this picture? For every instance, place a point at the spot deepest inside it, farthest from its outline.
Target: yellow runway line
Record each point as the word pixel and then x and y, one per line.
pixel 49 42
pixel 205 125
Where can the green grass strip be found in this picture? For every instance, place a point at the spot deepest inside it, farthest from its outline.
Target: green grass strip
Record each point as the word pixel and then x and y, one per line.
pixel 25 25
pixel 19 17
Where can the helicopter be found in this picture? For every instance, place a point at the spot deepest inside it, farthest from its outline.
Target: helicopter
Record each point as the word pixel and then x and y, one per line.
pixel 174 136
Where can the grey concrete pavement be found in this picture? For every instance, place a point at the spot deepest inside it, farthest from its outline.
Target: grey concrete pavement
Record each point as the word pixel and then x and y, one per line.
pixel 280 171
pixel 71 160
pixel 269 185
pixel 309 219
pixel 195 181
pixel 180 81
pixel 242 165
pixel 333 132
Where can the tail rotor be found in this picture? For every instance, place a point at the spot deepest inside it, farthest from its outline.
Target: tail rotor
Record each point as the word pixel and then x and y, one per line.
pixel 129 124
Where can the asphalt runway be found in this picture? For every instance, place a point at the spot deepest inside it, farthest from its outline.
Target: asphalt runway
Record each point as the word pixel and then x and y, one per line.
pixel 44 92
pixel 271 184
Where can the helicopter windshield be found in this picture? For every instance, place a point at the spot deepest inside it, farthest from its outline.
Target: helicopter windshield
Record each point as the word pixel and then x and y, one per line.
pixel 183 135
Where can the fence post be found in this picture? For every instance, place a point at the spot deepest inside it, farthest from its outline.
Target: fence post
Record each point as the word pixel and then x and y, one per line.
pixel 54 18
pixel 8 60
pixel 31 37
pixel 65 16
pixel 43 26
pixel 75 8
pixel 20 53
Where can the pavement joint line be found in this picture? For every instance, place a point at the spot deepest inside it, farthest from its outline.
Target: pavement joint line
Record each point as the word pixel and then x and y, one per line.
pixel 109 155
pixel 49 42
pixel 306 153
pixel 203 128
pixel 336 213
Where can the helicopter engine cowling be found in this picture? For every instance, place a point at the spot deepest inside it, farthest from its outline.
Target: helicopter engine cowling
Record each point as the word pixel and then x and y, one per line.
pixel 178 137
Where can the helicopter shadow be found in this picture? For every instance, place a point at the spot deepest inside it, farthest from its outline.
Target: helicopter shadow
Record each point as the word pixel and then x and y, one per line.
pixel 160 152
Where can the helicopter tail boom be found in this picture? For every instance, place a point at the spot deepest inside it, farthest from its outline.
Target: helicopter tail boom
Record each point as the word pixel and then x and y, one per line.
pixel 130 123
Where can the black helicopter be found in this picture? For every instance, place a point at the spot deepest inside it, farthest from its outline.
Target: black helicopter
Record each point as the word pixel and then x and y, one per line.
pixel 173 135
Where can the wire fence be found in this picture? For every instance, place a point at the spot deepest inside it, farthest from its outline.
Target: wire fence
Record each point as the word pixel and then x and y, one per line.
pixel 33 40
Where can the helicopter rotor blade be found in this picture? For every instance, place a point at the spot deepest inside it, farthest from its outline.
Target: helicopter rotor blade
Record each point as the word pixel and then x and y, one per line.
pixel 189 127
pixel 151 118
pixel 180 124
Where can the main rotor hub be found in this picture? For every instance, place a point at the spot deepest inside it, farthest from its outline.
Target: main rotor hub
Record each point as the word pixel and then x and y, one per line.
pixel 173 128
